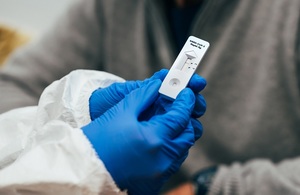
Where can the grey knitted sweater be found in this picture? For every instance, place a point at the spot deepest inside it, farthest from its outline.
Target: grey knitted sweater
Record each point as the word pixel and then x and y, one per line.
pixel 252 124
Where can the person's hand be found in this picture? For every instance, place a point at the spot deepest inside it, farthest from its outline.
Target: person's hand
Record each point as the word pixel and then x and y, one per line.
pixel 198 185
pixel 142 154
pixel 183 189
pixel 103 99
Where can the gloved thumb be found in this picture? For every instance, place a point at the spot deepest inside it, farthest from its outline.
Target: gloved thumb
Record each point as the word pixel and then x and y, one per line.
pixel 140 99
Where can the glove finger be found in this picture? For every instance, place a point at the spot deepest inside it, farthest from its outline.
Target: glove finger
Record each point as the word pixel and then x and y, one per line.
pixel 127 87
pixel 118 91
pixel 198 128
pixel 177 117
pixel 186 139
pixel 174 167
pixel 200 106
pixel 197 83
pixel 102 100
pixel 158 75
pixel 141 98
pixel 180 145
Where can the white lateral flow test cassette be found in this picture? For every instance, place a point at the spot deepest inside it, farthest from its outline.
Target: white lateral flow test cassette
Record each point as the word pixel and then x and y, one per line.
pixel 184 67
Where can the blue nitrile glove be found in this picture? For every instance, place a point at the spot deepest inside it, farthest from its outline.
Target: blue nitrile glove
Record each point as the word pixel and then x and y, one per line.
pixel 103 99
pixel 142 155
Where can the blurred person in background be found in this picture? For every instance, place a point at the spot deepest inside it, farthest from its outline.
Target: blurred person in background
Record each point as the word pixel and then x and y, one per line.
pixel 251 143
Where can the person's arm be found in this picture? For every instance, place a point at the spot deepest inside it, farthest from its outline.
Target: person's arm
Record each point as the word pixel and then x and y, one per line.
pixel 258 177
pixel 74 42
pixel 43 149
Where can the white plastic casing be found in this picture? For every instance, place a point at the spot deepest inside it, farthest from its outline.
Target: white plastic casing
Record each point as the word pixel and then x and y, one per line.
pixel 184 67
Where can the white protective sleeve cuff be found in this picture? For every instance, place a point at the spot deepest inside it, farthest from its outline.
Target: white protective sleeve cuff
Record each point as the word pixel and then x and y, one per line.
pixel 56 157
pixel 68 98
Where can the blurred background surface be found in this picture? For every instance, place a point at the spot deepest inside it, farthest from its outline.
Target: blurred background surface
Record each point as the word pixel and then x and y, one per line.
pixel 24 20
pixel 31 16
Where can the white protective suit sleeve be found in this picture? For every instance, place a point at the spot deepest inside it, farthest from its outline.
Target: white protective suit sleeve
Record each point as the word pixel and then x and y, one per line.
pixel 43 150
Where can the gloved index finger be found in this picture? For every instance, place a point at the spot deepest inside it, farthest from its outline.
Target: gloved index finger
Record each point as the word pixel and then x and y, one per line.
pixel 141 98
pixel 102 100
pixel 197 83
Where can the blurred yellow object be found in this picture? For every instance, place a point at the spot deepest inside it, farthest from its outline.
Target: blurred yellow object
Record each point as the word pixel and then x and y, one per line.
pixel 10 39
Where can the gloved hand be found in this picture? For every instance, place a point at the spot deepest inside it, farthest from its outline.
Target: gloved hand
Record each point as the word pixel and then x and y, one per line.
pixel 103 99
pixel 141 154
